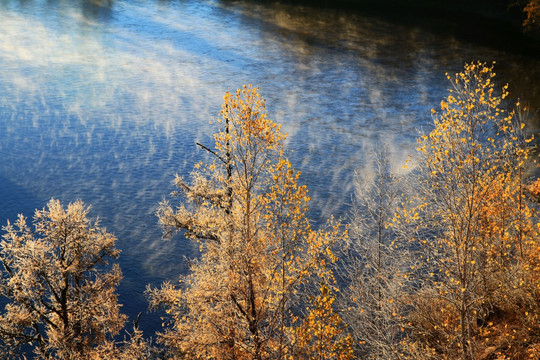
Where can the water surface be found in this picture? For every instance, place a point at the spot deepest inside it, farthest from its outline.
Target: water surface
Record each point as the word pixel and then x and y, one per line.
pixel 104 101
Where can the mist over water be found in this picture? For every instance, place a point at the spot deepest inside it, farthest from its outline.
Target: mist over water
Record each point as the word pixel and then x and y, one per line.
pixel 103 101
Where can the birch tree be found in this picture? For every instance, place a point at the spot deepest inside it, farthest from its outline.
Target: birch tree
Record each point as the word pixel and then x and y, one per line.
pixel 244 296
pixel 479 232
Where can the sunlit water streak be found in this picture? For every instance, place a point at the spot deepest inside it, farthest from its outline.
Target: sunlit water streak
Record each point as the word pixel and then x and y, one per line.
pixel 104 103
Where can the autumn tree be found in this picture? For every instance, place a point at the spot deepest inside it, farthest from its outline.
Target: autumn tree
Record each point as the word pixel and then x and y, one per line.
pixel 321 335
pixel 534 191
pixel 376 262
pixel 476 230
pixel 244 296
pixel 59 297
pixel 532 10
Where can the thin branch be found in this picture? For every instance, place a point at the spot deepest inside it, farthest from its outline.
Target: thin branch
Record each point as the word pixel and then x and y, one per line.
pixel 211 152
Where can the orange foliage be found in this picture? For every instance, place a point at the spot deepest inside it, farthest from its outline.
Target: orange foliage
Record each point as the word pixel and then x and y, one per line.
pixel 259 253
pixel 321 335
pixel 484 234
pixel 532 9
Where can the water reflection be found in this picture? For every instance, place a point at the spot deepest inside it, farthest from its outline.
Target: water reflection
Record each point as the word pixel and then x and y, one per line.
pixel 104 102
pixel 101 10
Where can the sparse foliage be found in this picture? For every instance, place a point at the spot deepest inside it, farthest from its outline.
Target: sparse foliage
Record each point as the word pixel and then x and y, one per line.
pixel 376 264
pixel 259 253
pixel 479 230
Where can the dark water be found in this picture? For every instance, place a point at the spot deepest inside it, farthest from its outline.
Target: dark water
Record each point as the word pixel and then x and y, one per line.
pixel 104 102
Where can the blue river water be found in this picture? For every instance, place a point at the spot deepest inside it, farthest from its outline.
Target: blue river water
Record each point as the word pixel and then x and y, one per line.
pixel 104 101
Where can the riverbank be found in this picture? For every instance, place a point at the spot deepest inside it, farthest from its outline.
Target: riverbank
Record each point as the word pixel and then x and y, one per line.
pixel 495 23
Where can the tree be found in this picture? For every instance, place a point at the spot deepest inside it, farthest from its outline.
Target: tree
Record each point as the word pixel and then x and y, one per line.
pixel 60 299
pixel 532 9
pixel 479 233
pixel 321 334
pixel 259 253
pixel 375 263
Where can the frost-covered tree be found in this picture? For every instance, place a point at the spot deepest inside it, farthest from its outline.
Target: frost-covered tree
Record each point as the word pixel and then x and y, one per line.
pixel 376 262
pixel 59 296
pixel 244 296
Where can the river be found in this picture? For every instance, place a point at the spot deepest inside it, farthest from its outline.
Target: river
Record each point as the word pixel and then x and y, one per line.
pixel 104 101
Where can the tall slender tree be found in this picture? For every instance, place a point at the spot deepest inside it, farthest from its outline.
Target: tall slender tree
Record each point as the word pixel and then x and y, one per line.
pixel 375 263
pixel 479 230
pixel 247 212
